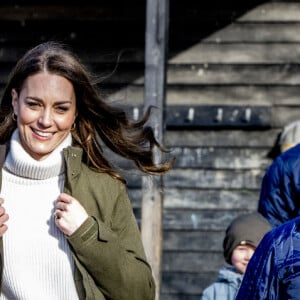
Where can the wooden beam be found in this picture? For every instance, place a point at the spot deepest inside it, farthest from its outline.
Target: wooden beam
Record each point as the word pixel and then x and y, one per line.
pixel 157 20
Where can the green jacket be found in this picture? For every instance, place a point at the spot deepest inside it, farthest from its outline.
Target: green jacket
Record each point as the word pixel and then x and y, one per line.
pixel 110 262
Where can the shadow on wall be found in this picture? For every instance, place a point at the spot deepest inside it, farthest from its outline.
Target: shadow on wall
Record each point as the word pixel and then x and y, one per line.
pixel 192 21
pixel 103 33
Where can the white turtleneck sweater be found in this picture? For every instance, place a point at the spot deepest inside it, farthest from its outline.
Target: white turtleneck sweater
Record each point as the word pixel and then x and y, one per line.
pixel 37 260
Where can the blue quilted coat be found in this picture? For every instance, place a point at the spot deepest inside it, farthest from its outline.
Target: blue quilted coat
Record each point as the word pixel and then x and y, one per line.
pixel 273 272
pixel 280 192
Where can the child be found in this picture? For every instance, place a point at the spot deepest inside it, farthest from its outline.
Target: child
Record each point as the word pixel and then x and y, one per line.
pixel 241 239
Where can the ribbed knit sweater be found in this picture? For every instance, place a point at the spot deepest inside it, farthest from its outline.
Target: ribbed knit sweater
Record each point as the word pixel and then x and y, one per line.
pixel 37 260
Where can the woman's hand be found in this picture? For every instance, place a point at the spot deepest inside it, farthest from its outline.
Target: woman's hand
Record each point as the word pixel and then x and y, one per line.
pixel 3 218
pixel 69 214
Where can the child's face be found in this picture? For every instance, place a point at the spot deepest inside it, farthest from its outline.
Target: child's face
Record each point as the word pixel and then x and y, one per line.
pixel 241 256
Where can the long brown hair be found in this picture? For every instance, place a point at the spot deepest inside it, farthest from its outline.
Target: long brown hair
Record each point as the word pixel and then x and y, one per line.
pixel 129 139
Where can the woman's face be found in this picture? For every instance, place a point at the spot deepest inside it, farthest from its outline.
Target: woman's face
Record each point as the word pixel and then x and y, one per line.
pixel 46 111
pixel 241 256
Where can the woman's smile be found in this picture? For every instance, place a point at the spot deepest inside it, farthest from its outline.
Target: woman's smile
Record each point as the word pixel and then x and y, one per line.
pixel 42 134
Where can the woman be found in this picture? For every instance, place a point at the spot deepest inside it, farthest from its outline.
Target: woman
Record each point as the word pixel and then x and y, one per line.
pixel 66 224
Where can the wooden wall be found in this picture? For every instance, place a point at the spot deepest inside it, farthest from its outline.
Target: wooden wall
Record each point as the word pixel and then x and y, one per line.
pixel 252 59
pixel 221 53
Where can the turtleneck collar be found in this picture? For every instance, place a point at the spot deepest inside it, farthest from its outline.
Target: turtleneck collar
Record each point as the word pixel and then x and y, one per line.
pixel 20 163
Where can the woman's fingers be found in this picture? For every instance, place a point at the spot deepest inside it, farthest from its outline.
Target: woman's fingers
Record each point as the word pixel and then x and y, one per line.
pixel 3 218
pixel 69 214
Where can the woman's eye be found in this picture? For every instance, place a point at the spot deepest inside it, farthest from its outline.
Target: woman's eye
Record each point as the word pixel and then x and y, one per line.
pixel 62 108
pixel 33 104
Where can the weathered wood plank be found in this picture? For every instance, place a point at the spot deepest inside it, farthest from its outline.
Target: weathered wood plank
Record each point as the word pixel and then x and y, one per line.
pixel 204 199
pixel 253 32
pixel 210 11
pixel 215 94
pixel 192 198
pixel 206 220
pixel 215 74
pixel 285 114
pixel 220 158
pixel 208 179
pixel 193 241
pixel 238 53
pixel 185 285
pixel 88 53
pixel 115 10
pixel 192 261
pixel 29 32
pixel 222 138
pixel 250 11
pixel 223 94
pixel 226 179
pixel 235 32
pixel 278 11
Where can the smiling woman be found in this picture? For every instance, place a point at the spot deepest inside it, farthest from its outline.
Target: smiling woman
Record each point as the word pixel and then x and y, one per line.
pixel 46 110
pixel 79 235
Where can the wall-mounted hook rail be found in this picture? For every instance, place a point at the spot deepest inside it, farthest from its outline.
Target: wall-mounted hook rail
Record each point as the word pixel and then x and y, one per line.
pixel 211 116
pixel 218 116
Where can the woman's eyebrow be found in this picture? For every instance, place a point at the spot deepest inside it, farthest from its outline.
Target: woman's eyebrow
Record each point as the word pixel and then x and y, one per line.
pixel 41 100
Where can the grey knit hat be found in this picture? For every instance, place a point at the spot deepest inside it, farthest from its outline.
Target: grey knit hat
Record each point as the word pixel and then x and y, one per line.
pixel 290 136
pixel 245 229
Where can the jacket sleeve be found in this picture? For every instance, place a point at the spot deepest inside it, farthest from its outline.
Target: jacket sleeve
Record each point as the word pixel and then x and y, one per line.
pixel 114 255
pixel 208 293
pixel 277 196
pixel 217 291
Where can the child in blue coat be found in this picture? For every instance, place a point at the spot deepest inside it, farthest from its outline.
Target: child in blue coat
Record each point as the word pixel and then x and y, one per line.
pixel 241 239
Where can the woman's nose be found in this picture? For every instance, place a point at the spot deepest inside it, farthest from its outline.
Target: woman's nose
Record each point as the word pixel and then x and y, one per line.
pixel 45 118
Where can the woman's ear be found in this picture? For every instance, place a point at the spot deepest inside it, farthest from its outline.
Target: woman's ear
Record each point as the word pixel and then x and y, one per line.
pixel 14 100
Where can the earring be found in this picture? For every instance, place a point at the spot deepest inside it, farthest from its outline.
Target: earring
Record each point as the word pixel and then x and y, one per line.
pixel 73 126
pixel 14 117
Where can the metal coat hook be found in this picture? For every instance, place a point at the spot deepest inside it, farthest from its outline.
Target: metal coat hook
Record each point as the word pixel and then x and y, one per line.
pixel 219 116
pixel 191 114
pixel 234 115
pixel 247 117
